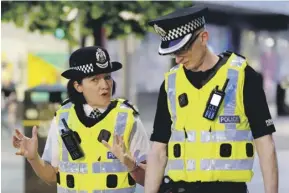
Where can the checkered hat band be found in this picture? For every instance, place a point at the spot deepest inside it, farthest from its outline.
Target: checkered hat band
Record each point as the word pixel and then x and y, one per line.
pixel 87 68
pixel 184 29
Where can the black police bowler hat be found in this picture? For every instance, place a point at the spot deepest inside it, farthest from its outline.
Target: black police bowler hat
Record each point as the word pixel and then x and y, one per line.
pixel 88 61
pixel 179 27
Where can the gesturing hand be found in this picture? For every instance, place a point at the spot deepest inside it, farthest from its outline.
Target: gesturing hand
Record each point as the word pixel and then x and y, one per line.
pixel 27 147
pixel 118 148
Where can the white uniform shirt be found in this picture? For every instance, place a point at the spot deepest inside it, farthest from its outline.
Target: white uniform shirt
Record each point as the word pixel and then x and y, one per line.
pixel 138 146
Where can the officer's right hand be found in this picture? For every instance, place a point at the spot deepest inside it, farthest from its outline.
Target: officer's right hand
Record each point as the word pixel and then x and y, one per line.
pixel 27 147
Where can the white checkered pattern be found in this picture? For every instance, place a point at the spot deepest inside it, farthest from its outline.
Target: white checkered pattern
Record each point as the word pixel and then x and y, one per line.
pixel 87 68
pixel 95 114
pixel 184 29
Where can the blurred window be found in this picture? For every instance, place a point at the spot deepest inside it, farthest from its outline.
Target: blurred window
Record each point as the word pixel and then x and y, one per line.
pixel 39 97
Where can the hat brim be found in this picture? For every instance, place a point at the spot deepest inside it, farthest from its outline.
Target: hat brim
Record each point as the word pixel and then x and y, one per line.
pixel 169 47
pixel 76 74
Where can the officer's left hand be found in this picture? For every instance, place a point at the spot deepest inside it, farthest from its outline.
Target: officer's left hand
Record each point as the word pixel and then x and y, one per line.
pixel 118 148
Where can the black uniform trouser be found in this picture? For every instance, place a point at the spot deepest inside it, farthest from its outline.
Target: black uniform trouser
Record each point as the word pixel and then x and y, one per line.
pixel 203 187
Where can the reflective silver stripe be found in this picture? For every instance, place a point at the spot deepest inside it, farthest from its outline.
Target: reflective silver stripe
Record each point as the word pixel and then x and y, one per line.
pixel 108 167
pixel 67 106
pixel 174 68
pixel 64 153
pixel 171 92
pixel 191 165
pixel 176 164
pixel 122 190
pixel 123 106
pixel 179 136
pixel 132 133
pixel 66 190
pixel 221 164
pixel 73 167
pixel 230 97
pixel 140 159
pixel 227 135
pixel 121 122
pixel 179 165
pixel 237 61
pixel 191 136
pixel 63 115
pixel 139 156
pixel 211 164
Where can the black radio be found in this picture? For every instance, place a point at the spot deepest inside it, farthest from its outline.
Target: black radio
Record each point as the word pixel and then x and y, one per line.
pixel 214 102
pixel 72 142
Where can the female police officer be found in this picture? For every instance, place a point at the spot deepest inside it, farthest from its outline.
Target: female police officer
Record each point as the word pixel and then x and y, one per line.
pixel 211 113
pixel 86 146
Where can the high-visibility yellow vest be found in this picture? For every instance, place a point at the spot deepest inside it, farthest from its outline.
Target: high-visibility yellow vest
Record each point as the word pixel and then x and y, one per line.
pixel 99 170
pixel 203 150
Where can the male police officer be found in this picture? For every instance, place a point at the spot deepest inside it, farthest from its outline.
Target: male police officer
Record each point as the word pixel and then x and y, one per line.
pixel 85 149
pixel 211 113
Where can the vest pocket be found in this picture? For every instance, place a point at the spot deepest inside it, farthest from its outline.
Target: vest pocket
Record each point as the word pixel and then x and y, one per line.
pixel 177 150
pixel 249 149
pixel 111 181
pixel 225 150
pixel 70 181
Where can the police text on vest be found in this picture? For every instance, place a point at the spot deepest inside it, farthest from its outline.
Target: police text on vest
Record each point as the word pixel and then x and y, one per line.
pixel 229 119
pixel 110 155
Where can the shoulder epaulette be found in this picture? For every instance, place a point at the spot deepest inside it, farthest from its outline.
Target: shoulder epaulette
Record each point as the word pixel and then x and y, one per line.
pixel 174 68
pixel 229 53
pixel 130 105
pixel 65 102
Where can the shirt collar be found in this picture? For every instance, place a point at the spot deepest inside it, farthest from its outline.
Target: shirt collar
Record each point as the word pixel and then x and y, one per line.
pixel 88 109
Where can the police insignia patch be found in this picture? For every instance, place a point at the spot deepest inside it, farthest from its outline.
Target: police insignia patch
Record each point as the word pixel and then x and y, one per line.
pixel 160 30
pixel 101 58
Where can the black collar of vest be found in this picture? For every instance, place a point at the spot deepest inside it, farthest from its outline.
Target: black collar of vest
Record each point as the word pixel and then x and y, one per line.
pixel 89 122
pixel 223 59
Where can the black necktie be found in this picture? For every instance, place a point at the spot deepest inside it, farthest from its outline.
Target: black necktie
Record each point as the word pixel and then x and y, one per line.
pixel 95 114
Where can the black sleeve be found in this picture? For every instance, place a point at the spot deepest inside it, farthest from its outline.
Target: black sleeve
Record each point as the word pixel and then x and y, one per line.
pixel 255 103
pixel 162 124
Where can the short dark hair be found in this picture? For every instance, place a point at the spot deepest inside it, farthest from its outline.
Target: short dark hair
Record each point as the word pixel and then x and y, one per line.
pixel 76 97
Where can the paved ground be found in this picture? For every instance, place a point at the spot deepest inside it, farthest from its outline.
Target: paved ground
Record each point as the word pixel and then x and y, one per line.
pixel 13 167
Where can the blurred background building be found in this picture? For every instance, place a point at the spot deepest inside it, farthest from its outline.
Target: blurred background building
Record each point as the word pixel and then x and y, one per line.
pixel 36 58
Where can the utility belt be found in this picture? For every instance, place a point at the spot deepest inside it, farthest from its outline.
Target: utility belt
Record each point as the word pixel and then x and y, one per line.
pixel 170 186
